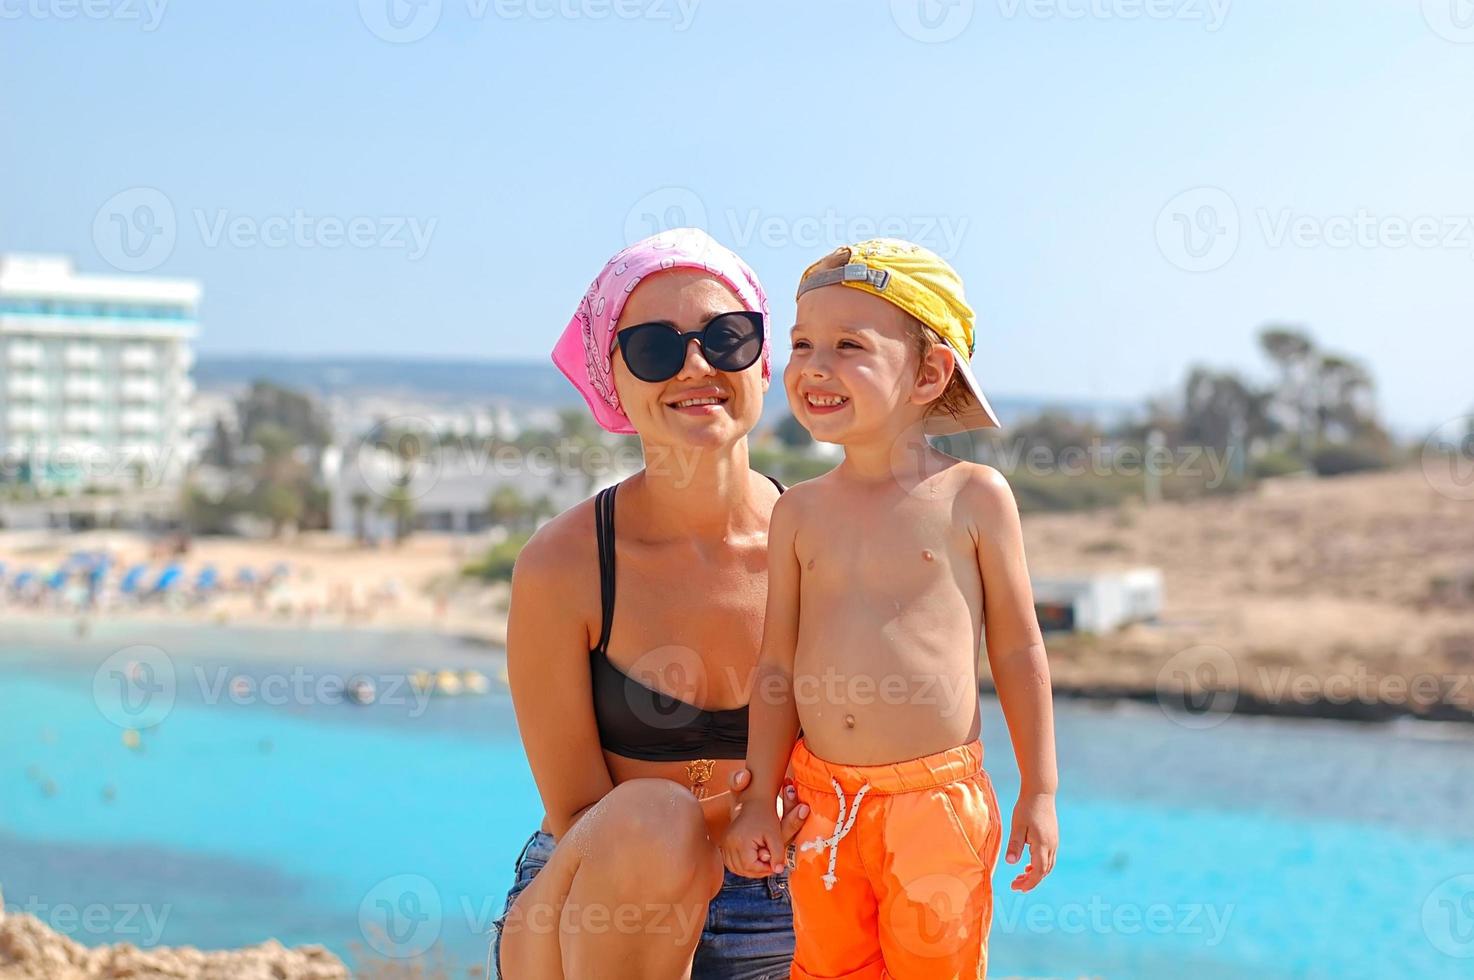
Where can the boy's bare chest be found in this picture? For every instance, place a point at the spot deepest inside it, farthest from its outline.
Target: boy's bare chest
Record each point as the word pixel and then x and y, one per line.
pixel 889 551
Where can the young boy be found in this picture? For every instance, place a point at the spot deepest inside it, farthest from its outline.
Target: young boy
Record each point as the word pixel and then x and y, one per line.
pixel 882 576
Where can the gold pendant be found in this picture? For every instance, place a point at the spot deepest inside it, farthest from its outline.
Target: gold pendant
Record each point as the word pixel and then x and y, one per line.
pixel 699 771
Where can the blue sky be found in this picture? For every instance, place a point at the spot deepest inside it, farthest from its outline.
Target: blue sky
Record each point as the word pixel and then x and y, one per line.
pixel 1128 186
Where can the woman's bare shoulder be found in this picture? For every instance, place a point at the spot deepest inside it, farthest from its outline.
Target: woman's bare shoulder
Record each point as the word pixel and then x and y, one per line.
pixel 564 551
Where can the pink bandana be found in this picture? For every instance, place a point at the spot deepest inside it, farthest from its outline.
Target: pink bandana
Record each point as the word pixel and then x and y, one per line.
pixel 583 352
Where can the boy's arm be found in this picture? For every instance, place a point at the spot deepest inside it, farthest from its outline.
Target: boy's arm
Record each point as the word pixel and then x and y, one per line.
pixel 1020 674
pixel 1015 644
pixel 773 717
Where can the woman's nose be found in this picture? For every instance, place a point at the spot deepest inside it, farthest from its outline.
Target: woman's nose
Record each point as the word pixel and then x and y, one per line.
pixel 696 365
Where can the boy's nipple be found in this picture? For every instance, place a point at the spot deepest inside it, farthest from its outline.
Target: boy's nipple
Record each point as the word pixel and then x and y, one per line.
pixel 849 721
pixel 926 555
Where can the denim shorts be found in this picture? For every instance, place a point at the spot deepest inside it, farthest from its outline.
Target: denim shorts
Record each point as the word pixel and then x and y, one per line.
pixel 749 924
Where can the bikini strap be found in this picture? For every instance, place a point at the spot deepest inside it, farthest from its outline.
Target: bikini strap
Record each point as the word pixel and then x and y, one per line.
pixel 604 530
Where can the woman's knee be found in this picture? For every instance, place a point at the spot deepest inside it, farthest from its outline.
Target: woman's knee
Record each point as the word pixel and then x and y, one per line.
pixel 651 833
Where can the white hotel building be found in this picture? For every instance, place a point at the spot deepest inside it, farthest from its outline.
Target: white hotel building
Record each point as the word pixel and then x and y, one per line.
pixel 94 375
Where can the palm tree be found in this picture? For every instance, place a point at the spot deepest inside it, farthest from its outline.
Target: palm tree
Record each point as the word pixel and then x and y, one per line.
pixel 360 500
pixel 1290 349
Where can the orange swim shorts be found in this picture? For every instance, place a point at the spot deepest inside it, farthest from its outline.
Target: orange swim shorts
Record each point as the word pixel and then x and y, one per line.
pixel 893 867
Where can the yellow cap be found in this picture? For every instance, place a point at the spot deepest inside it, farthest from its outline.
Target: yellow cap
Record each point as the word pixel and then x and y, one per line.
pixel 920 282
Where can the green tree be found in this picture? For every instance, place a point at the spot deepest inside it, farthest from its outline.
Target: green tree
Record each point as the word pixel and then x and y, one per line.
pixel 792 434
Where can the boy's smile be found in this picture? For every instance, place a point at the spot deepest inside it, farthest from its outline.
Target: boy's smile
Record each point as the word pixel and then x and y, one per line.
pixel 851 366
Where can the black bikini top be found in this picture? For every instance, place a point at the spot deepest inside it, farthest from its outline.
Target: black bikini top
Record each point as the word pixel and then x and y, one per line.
pixel 636 721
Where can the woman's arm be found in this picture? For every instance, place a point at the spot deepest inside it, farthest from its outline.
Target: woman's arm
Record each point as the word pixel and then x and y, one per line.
pixel 548 671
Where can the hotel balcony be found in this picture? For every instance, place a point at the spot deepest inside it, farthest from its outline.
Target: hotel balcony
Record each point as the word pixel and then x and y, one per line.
pixel 82 389
pixel 26 386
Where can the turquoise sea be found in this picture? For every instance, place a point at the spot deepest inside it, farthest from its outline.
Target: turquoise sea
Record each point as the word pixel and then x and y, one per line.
pixel 270 807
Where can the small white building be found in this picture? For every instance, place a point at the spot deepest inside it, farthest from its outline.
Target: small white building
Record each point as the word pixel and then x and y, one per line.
pixel 1098 603
pixel 94 375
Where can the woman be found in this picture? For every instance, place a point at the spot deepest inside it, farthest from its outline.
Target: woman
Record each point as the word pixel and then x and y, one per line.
pixel 630 655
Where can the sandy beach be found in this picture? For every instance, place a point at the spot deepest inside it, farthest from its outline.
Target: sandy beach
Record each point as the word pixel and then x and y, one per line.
pixel 1346 597
pixel 331 582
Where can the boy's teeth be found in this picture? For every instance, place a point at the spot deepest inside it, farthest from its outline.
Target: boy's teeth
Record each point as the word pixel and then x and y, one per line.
pixel 825 401
pixel 687 403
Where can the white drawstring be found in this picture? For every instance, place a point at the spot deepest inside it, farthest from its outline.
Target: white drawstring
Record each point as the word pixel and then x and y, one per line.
pixel 841 828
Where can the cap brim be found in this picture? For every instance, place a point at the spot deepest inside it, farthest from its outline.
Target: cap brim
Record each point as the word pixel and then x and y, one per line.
pixel 977 415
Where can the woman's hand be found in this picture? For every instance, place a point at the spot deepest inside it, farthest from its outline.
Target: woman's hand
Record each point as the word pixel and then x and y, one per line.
pixel 794 813
pixel 1034 824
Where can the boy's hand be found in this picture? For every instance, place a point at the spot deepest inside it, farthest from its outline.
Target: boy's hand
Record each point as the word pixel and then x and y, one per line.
pixel 794 812
pixel 753 845
pixel 1034 824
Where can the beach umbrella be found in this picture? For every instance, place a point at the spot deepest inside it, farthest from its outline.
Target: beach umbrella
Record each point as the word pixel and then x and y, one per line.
pixel 171 574
pixel 57 579
pixel 24 579
pixel 205 580
pixel 132 579
pixel 245 576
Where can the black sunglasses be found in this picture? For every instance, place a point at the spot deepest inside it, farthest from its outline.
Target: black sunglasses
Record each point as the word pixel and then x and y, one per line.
pixel 657 351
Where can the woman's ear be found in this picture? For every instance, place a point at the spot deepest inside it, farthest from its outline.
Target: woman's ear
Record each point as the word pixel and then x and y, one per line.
pixel 934 373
